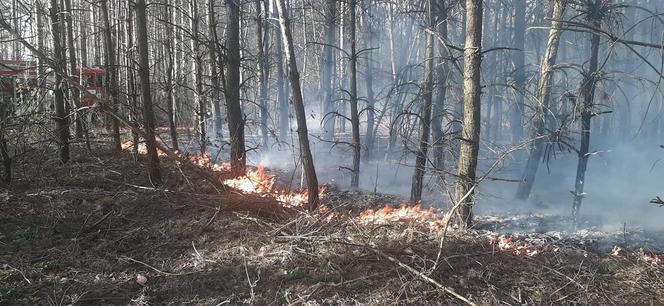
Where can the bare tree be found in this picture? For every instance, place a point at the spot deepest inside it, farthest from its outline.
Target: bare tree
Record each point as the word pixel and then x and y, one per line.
pixel 111 74
pixel 61 117
pixel 354 115
pixel 144 74
pixel 328 70
pixel 426 93
pixel 470 136
pixel 233 105
pixel 595 11
pixel 542 114
pixel 298 104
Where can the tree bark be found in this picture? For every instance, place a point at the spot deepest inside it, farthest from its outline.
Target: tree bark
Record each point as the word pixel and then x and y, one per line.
pixel 73 92
pixel 470 136
pixel 587 93
pixel 426 93
pixel 61 118
pixel 542 110
pixel 440 92
pixel 354 115
pixel 111 74
pixel 282 96
pixel 519 69
pixel 144 74
pixel 197 67
pixel 328 71
pixel 171 97
pixel 233 105
pixel 214 62
pixel 262 74
pixel 302 132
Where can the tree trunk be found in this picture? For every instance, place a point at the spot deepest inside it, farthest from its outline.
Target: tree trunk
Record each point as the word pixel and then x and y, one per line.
pixel 131 78
pixel 542 112
pixel 302 132
pixel 354 115
pixel 425 110
pixel 369 79
pixel 214 77
pixel 111 75
pixel 73 92
pixel 233 105
pixel 440 92
pixel 61 118
pixel 144 74
pixel 262 75
pixel 519 69
pixel 329 68
pixel 197 67
pixel 282 96
pixel 171 97
pixel 470 135
pixel 587 93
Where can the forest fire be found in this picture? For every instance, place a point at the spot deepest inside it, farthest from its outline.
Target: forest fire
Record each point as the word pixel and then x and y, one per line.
pixel 259 183
pixel 403 214
pixel 507 243
pixel 253 182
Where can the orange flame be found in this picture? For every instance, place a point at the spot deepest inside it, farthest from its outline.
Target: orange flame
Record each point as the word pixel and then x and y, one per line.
pixel 616 251
pixel 259 183
pixel 506 243
pixel 402 214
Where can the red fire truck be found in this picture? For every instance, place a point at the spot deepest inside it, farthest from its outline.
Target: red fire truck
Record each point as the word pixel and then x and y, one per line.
pixel 15 75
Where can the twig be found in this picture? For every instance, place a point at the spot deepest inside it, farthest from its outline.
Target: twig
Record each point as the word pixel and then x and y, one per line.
pixel 91 227
pixel 424 276
pixel 125 258
pixel 657 201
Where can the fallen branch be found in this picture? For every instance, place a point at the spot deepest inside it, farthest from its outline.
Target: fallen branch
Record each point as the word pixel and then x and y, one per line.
pixel 424 277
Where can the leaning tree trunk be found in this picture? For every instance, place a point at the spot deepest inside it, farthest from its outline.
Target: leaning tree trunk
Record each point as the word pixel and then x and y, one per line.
pixel 298 104
pixel 470 135
pixel 354 115
pixel 144 74
pixel 587 93
pixel 197 67
pixel 425 110
pixel 542 107
pixel 233 107
pixel 61 118
pixel 111 75
pixel 263 65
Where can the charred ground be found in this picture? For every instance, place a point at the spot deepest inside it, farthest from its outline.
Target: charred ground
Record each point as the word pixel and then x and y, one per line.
pixel 85 233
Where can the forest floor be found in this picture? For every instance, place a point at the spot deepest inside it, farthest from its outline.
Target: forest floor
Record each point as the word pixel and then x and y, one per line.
pixel 93 232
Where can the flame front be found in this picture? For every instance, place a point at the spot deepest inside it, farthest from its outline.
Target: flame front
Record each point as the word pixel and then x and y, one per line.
pixel 259 183
pixel 403 214
pixel 254 182
pixel 506 243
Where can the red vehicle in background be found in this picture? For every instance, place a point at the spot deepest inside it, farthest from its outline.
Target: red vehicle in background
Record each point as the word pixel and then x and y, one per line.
pixel 93 81
pixel 24 74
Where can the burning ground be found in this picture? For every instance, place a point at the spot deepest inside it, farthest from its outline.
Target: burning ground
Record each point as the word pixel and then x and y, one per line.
pixel 94 232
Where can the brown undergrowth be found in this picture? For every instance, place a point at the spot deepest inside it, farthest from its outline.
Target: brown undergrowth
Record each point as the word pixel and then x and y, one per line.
pixel 94 232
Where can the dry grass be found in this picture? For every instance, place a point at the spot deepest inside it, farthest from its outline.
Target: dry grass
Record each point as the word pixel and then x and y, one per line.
pixel 82 233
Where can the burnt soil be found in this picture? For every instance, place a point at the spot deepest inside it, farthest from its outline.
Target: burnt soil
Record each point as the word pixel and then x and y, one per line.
pixel 95 232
